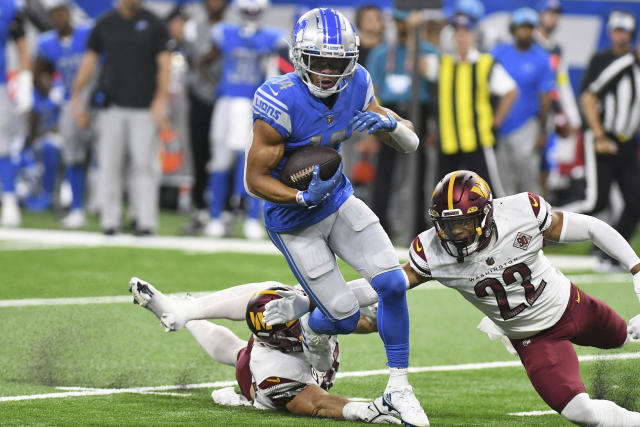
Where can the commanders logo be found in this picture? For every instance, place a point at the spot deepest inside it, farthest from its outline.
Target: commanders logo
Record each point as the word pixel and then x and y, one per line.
pixel 522 241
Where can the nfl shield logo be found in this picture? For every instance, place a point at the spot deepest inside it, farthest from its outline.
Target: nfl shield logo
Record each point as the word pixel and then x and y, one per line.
pixel 329 120
pixel 522 241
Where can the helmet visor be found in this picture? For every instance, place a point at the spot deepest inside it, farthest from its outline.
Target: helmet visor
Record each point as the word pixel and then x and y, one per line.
pixel 327 66
pixel 461 231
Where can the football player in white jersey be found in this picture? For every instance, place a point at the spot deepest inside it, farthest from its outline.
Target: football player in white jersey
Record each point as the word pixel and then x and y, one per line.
pixel 271 368
pixel 491 252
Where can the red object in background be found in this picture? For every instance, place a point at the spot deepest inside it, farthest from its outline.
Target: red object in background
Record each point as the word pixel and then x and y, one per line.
pixel 363 172
pixel 171 153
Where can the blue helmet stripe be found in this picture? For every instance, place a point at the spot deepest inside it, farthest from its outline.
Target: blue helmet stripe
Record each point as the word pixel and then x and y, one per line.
pixel 332 30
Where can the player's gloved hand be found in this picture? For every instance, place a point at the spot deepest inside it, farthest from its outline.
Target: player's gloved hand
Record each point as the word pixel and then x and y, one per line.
pixel 634 328
pixel 291 306
pixel 636 284
pixel 318 189
pixel 371 412
pixel 373 121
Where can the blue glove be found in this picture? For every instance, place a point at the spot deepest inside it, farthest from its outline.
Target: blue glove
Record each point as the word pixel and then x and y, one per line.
pixel 373 122
pixel 318 189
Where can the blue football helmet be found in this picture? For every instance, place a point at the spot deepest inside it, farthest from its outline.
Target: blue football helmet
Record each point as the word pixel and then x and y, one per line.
pixel 324 38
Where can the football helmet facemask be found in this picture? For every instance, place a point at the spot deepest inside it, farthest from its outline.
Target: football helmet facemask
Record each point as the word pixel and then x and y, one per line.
pixel 286 337
pixel 324 40
pixel 462 211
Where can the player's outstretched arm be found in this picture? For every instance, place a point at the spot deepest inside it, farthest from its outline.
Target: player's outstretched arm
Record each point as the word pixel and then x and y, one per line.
pixel 573 227
pixel 392 129
pixel 315 402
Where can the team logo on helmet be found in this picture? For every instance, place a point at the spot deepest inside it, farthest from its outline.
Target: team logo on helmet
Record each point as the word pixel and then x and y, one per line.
pixel 284 337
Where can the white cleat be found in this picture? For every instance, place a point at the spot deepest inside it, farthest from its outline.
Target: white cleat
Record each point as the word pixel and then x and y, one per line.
pixel 10 211
pixel 317 348
pixel 404 401
pixel 170 311
pixel 74 220
pixel 214 228
pixel 253 230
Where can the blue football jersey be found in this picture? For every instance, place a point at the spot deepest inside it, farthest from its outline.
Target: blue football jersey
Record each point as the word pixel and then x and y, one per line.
pixel 47 107
pixel 243 70
pixel 8 10
pixel 285 103
pixel 65 55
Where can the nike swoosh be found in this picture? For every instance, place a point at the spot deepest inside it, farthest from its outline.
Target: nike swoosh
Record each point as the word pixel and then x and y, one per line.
pixel 578 300
pixel 534 202
pixel 418 247
pixel 274 92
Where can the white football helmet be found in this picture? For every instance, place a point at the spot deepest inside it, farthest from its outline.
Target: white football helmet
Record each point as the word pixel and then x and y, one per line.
pixel 324 38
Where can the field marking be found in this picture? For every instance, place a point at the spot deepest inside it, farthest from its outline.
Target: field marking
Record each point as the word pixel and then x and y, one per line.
pixel 84 391
pixel 533 413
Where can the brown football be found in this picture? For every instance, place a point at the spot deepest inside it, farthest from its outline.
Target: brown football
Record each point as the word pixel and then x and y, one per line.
pixel 297 171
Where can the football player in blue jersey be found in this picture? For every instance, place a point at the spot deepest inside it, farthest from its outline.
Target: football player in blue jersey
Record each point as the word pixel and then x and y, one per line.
pixel 63 48
pixel 244 48
pixel 13 115
pixel 327 97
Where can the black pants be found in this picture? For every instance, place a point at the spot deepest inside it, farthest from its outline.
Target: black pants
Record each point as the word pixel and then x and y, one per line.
pixel 622 168
pixel 473 161
pixel 199 124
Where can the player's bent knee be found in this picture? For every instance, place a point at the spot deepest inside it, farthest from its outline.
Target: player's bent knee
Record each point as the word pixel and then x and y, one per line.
pixel 390 283
pixel 348 324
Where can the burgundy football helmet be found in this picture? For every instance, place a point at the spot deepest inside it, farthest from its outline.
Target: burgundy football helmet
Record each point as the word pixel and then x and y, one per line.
pixel 286 337
pixel 462 198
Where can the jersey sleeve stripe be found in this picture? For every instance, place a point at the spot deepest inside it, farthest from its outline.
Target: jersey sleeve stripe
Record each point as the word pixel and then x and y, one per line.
pixel 534 200
pixel 272 99
pixel 544 221
pixel 423 271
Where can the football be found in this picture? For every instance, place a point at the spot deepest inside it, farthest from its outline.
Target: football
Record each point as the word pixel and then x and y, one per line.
pixel 297 171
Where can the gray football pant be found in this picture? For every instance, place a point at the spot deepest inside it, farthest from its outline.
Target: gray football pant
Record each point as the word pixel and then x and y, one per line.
pixel 354 234
pixel 519 159
pixel 75 147
pixel 12 126
pixel 127 142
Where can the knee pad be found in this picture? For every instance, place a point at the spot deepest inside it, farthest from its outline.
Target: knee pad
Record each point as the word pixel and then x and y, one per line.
pixel 390 283
pixel 348 324
pixel 322 325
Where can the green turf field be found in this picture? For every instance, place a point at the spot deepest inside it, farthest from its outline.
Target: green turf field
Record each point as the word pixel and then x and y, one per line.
pixel 107 352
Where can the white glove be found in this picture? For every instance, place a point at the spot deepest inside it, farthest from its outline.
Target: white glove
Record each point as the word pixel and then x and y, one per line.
pixel 370 412
pixel 24 91
pixel 227 396
pixel 291 306
pixel 634 328
pixel 636 284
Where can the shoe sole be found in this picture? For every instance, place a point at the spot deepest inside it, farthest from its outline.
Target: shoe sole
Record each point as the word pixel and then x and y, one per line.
pixel 141 294
pixel 390 407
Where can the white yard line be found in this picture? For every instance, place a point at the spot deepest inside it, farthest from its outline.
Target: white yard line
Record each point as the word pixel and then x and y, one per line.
pixel 533 413
pixel 83 391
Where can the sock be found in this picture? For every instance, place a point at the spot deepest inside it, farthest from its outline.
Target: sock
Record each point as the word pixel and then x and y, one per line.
pixel 219 342
pixel 398 377
pixel 8 172
pixel 229 303
pixel 602 413
pixel 50 161
pixel 75 176
pixel 393 316
pixel 218 186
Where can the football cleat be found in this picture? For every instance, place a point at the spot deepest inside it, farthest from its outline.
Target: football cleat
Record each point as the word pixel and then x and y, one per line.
pixel 169 311
pixel 74 220
pixel 215 228
pixel 10 211
pixel 404 401
pixel 253 229
pixel 316 347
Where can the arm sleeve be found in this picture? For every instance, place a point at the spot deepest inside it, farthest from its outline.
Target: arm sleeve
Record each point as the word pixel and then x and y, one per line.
pixel 94 42
pixel 433 67
pixel 418 259
pixel 541 210
pixel 500 82
pixel 578 228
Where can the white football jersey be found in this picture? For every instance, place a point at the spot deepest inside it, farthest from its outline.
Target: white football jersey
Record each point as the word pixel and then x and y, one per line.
pixel 278 376
pixel 510 280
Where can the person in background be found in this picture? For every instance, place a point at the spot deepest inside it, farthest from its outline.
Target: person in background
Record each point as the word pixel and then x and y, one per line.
pixel 134 83
pixel 194 38
pixel 466 81
pixel 523 134
pixel 391 68
pixel 244 49
pixel 62 49
pixel 610 99
pixel 13 115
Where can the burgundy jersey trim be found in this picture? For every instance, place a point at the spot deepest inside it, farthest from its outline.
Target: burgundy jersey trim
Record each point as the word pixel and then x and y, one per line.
pixel 418 248
pixel 534 200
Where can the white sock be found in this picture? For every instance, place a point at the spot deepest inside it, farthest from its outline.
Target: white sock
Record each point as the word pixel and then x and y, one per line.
pixel 228 303
pixel 219 342
pixel 583 410
pixel 398 377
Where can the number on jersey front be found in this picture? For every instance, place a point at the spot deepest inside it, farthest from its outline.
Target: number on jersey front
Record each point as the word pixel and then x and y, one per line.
pixel 509 277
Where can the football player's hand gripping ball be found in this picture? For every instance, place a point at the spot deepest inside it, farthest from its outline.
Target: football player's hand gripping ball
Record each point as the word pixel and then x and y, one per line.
pixel 318 189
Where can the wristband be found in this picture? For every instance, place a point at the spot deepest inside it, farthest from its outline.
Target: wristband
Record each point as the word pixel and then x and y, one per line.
pixel 300 199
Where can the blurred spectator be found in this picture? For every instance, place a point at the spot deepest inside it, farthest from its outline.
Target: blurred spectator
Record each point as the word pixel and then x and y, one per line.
pixel 611 103
pixel 194 38
pixel 523 134
pixel 370 26
pixel 391 68
pixel 466 81
pixel 565 117
pixel 474 9
pixel 133 94
pixel 12 116
pixel 244 50
pixel 62 49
